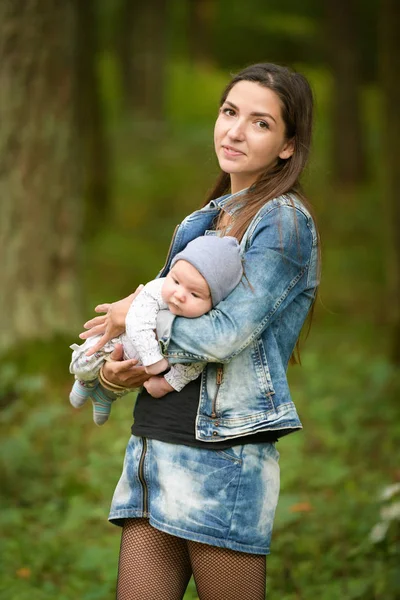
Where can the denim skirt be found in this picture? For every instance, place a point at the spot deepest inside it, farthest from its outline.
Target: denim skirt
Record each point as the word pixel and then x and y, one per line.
pixel 225 498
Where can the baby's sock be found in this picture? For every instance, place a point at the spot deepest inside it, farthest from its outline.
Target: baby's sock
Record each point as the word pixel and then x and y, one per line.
pixel 101 404
pixel 81 391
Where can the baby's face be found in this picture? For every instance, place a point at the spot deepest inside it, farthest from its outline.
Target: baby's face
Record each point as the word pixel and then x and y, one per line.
pixel 186 291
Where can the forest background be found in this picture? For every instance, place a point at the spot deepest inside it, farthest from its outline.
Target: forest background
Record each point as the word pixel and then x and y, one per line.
pixel 107 112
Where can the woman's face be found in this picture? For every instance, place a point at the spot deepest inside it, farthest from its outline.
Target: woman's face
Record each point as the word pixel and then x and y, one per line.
pixel 249 133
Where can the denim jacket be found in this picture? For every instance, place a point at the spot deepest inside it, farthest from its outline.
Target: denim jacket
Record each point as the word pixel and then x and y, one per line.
pixel 248 338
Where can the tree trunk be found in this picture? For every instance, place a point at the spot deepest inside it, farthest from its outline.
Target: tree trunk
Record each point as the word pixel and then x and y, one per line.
pixel 348 155
pixel 200 21
pixel 93 136
pixel 40 212
pixel 390 68
pixel 142 45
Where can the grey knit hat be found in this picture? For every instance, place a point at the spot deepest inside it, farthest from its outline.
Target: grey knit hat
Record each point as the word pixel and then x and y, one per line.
pixel 218 260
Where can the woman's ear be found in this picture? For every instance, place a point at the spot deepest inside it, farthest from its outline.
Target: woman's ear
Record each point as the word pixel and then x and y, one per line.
pixel 287 150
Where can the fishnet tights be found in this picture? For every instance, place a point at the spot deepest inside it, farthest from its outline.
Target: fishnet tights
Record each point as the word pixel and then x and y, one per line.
pixel 154 565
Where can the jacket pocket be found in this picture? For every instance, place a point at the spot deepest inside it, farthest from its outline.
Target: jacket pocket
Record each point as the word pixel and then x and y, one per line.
pixel 263 373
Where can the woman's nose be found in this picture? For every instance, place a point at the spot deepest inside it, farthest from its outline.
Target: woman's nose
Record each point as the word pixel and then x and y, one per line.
pixel 236 132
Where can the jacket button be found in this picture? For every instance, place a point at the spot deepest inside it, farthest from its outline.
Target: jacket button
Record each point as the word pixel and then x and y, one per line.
pixel 213 415
pixel 215 433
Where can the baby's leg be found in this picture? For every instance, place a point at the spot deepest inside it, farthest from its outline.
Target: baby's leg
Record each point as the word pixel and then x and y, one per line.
pixel 81 391
pixel 102 402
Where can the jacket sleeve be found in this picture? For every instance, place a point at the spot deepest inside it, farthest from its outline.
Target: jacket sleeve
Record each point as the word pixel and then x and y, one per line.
pixel 276 265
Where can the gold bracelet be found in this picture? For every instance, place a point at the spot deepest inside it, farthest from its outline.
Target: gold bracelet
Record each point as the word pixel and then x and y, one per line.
pixel 117 392
pixel 112 387
pixel 108 383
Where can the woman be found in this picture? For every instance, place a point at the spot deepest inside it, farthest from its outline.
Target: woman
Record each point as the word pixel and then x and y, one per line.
pixel 201 479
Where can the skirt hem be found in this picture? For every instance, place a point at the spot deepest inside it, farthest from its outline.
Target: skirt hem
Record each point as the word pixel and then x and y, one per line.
pixel 118 517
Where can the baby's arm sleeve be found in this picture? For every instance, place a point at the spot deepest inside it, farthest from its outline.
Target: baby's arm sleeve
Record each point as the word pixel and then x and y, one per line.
pixel 180 374
pixel 141 322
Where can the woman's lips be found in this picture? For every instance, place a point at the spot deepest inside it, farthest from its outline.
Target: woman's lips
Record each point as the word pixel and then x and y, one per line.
pixel 231 151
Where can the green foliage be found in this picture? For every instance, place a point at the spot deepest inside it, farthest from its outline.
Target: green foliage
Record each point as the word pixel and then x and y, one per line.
pixel 332 475
pixel 59 472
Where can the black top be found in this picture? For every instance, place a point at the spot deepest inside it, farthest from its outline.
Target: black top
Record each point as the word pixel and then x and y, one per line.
pixel 172 419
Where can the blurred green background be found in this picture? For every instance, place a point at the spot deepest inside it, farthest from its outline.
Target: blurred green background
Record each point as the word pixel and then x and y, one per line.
pixel 106 144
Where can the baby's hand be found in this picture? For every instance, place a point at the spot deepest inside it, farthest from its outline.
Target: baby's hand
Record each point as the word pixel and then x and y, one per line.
pixel 158 387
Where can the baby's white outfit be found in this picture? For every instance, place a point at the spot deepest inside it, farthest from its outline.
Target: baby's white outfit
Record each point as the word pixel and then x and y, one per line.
pixel 139 342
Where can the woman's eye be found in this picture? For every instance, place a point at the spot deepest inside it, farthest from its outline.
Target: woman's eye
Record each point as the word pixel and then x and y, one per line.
pixel 263 124
pixel 228 111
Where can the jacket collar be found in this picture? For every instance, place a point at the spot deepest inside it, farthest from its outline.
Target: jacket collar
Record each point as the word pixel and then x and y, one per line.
pixel 221 202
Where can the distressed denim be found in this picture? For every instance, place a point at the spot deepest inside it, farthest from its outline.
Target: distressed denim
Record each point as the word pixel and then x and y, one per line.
pixel 248 338
pixel 225 498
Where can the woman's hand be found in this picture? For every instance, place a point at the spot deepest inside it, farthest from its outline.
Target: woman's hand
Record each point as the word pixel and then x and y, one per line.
pixel 158 387
pixel 124 372
pixel 110 325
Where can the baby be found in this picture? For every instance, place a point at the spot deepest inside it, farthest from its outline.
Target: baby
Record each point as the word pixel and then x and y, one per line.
pixel 202 275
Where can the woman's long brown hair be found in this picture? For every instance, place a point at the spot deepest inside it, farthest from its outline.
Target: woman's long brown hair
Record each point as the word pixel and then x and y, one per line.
pixel 296 100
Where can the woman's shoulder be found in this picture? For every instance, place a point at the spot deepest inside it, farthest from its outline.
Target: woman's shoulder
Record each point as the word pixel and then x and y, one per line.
pixel 290 201
pixel 288 213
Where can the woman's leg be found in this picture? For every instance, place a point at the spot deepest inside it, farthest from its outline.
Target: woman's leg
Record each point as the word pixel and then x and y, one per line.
pixel 220 573
pixel 153 565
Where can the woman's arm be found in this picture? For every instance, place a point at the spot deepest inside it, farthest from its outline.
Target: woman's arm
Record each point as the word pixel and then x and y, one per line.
pixel 276 266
